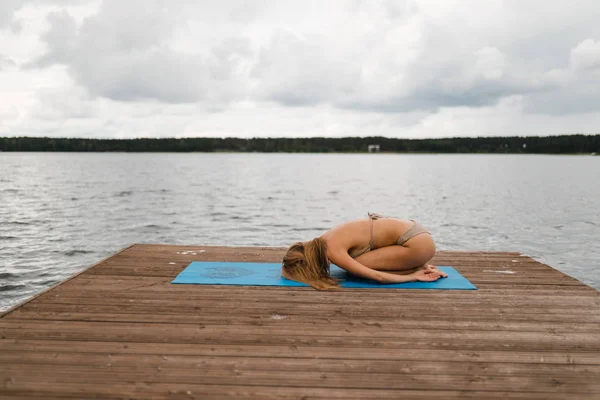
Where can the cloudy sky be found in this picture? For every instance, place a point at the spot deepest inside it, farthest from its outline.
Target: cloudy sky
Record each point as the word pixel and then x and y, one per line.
pixel 187 68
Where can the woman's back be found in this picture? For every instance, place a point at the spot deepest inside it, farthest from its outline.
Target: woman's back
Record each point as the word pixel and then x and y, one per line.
pixel 357 234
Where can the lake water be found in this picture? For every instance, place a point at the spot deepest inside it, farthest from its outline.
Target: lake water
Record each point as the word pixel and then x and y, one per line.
pixel 61 212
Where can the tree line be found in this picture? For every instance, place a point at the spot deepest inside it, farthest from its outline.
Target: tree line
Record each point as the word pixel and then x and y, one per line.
pixel 565 144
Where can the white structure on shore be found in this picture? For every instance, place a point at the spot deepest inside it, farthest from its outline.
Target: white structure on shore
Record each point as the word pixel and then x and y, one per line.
pixel 374 148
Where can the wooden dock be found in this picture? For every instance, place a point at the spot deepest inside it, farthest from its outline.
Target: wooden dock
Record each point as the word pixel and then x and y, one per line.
pixel 121 330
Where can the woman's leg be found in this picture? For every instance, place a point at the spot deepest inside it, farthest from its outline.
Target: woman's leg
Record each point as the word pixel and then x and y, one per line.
pixel 415 253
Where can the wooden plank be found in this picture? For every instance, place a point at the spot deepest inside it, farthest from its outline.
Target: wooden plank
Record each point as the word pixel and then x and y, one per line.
pixel 404 380
pixel 527 323
pixel 142 295
pixel 35 388
pixel 498 290
pixel 351 337
pixel 292 364
pixel 342 352
pixel 337 314
pixel 458 320
pixel 386 310
pixel 373 328
pixel 230 307
pixel 164 288
pixel 183 332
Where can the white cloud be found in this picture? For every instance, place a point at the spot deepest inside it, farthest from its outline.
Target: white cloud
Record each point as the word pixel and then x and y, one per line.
pixel 586 55
pixel 7 10
pixel 574 89
pixel 6 62
pixel 396 68
pixel 490 63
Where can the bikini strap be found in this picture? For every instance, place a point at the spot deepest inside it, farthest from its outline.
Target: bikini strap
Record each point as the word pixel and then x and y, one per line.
pixel 373 216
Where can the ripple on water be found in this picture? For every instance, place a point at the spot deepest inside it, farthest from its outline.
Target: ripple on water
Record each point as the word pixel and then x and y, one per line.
pixel 154 226
pixel 10 287
pixel 45 283
pixel 2 237
pixel 8 275
pixel 242 217
pixel 71 253
pixel 308 229
pixel 157 191
pixel 217 214
pixel 19 222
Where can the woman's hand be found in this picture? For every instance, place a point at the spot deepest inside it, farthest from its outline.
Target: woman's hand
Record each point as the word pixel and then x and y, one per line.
pixel 425 275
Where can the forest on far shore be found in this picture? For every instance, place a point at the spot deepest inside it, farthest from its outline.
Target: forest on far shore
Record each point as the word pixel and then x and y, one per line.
pixel 564 144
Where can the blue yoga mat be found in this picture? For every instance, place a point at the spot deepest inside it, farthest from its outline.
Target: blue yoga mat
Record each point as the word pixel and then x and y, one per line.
pixel 269 274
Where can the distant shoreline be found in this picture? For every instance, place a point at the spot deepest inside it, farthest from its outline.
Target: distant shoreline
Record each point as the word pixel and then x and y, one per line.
pixel 564 144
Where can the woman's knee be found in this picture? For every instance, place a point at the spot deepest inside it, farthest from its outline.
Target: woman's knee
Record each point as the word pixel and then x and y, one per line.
pixel 422 248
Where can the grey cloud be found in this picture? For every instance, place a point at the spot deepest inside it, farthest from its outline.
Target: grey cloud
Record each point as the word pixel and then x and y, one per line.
pixel 123 53
pixel 400 9
pixel 447 88
pixel 572 100
pixel 6 62
pixel 303 71
pixel 296 71
pixel 578 93
pixel 61 37
pixel 443 75
pixel 9 7
pixel 575 88
pixel 308 69
pixel 116 60
pixel 7 10
pixel 431 96
pixel 394 9
pixel 245 12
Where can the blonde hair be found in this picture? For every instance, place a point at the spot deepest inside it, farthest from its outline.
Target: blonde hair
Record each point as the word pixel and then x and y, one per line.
pixel 307 262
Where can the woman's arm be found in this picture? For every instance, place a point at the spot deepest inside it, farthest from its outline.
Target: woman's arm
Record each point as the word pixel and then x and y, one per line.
pixel 343 260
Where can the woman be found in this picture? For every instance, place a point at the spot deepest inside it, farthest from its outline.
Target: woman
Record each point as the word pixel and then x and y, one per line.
pixel 366 248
